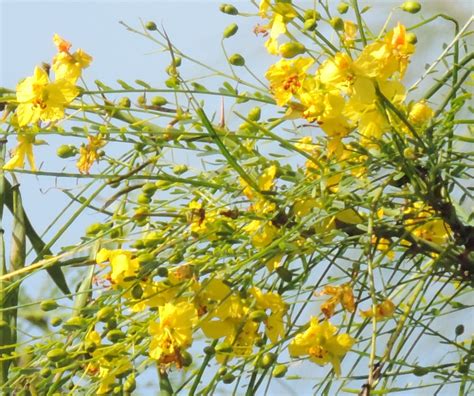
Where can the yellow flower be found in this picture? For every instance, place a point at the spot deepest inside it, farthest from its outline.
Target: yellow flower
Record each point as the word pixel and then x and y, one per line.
pixel 321 344
pixel 267 179
pixel 385 57
pixel 383 310
pixel 303 206
pixel 422 222
pixel 40 99
pixel 274 327
pixel 23 149
pixel 124 267
pixel 286 78
pixel 350 32
pixel 337 72
pixel 420 113
pixel 89 153
pixel 174 332
pixel 340 295
pixel 262 232
pixel 66 65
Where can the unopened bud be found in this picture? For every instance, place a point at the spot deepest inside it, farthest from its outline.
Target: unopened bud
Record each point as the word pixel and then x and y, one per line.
pixel 66 151
pixel 291 49
pixel 267 360
pixel 411 6
pixel 337 23
pixel 411 38
pixel 48 305
pixel 150 25
pixel 105 314
pixel 228 9
pixel 312 14
pixel 279 371
pixel 342 7
pixel 310 25
pixel 158 101
pixel 254 114
pixel 228 378
pixel 237 60
pixel 124 102
pixel 459 330
pixel 230 30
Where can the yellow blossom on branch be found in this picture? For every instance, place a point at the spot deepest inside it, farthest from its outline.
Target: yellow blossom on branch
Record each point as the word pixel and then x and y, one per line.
pixel 383 310
pixel 321 344
pixel 89 153
pixel 24 149
pixel 40 99
pixel 124 267
pixel 340 295
pixel 66 65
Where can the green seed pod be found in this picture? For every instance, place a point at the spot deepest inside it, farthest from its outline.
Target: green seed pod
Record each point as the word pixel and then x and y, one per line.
pixel 150 25
pixel 137 291
pixel 459 330
pixel 149 188
pixel 411 38
pixel 125 102
pixel 342 8
pixel 310 25
pixel 228 9
pixel 130 383
pixel 143 199
pixel 48 305
pixel 56 321
pixel 94 229
pixel 115 335
pixel 228 378
pixel 258 316
pixel 180 169
pixel 291 49
pixel 66 151
pixel 312 14
pixel 237 60
pixel 267 360
pixel 45 372
pixel 105 314
pixel 186 358
pixel 158 101
pixel 279 371
pixel 56 354
pixel 74 323
pixel 337 23
pixel 254 114
pixel 230 30
pixel 223 347
pixel 411 6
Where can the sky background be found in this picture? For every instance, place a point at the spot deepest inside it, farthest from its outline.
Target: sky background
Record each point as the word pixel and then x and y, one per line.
pixel 27 28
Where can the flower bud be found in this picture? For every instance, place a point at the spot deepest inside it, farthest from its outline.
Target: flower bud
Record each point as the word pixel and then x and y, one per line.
pixel 149 188
pixel 310 25
pixel 141 100
pixel 45 372
pixel 267 360
pixel 177 61
pixel 420 113
pixel 337 23
pixel 115 335
pixel 105 314
pixel 162 272
pixel 48 305
pixel 411 6
pixel 312 14
pixel 222 371
pixel 66 151
pixel 56 321
pixel 409 153
pixel 74 323
pixel 342 8
pixel 228 9
pixel 145 258
pixel 230 30
pixel 291 49
pixel 258 316
pixel 237 60
pixel 459 330
pixel 420 371
pixel 150 25
pixel 279 371
pixel 125 102
pixel 209 350
pixel 57 354
pixel 186 358
pixel 223 347
pixel 228 378
pixel 158 101
pixel 254 114
pixel 137 292
pixel 143 199
pixel 411 38
pixel 130 384
pixel 180 169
